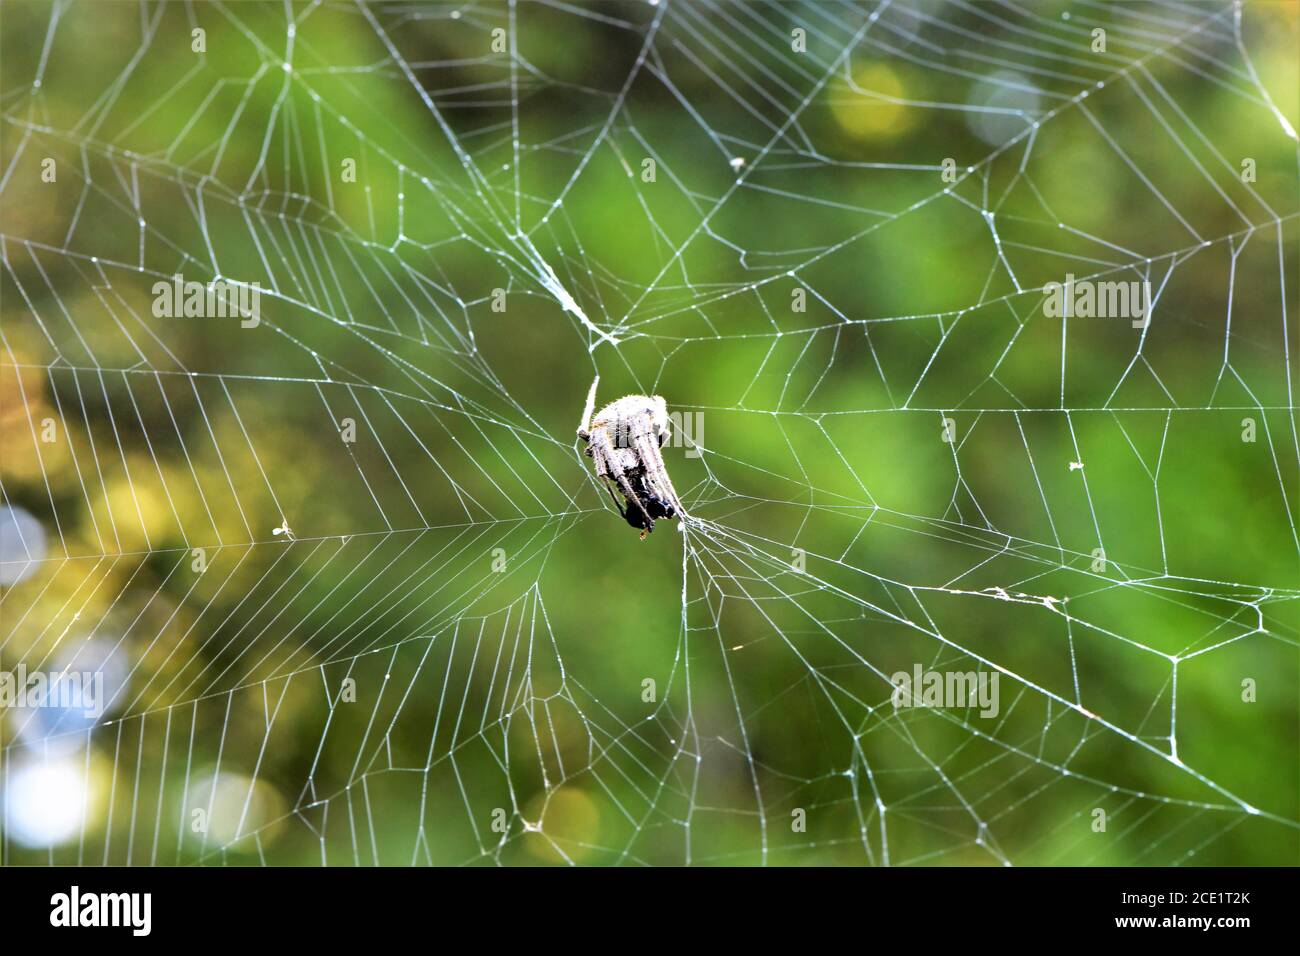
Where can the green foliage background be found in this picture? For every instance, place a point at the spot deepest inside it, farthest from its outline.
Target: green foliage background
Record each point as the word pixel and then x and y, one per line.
pixel 822 432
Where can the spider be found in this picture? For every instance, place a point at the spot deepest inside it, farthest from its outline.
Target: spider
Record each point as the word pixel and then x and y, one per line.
pixel 624 441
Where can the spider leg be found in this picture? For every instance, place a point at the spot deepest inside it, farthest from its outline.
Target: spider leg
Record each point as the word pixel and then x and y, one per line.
pixel 647 450
pixel 613 496
pixel 584 426
pixel 632 497
pixel 602 473
pixel 605 481
pixel 609 468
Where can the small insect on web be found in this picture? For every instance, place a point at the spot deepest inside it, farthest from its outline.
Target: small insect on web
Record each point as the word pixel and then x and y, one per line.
pixel 624 440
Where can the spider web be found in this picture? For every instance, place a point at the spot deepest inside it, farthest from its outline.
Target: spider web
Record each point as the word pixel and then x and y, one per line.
pixel 433 643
